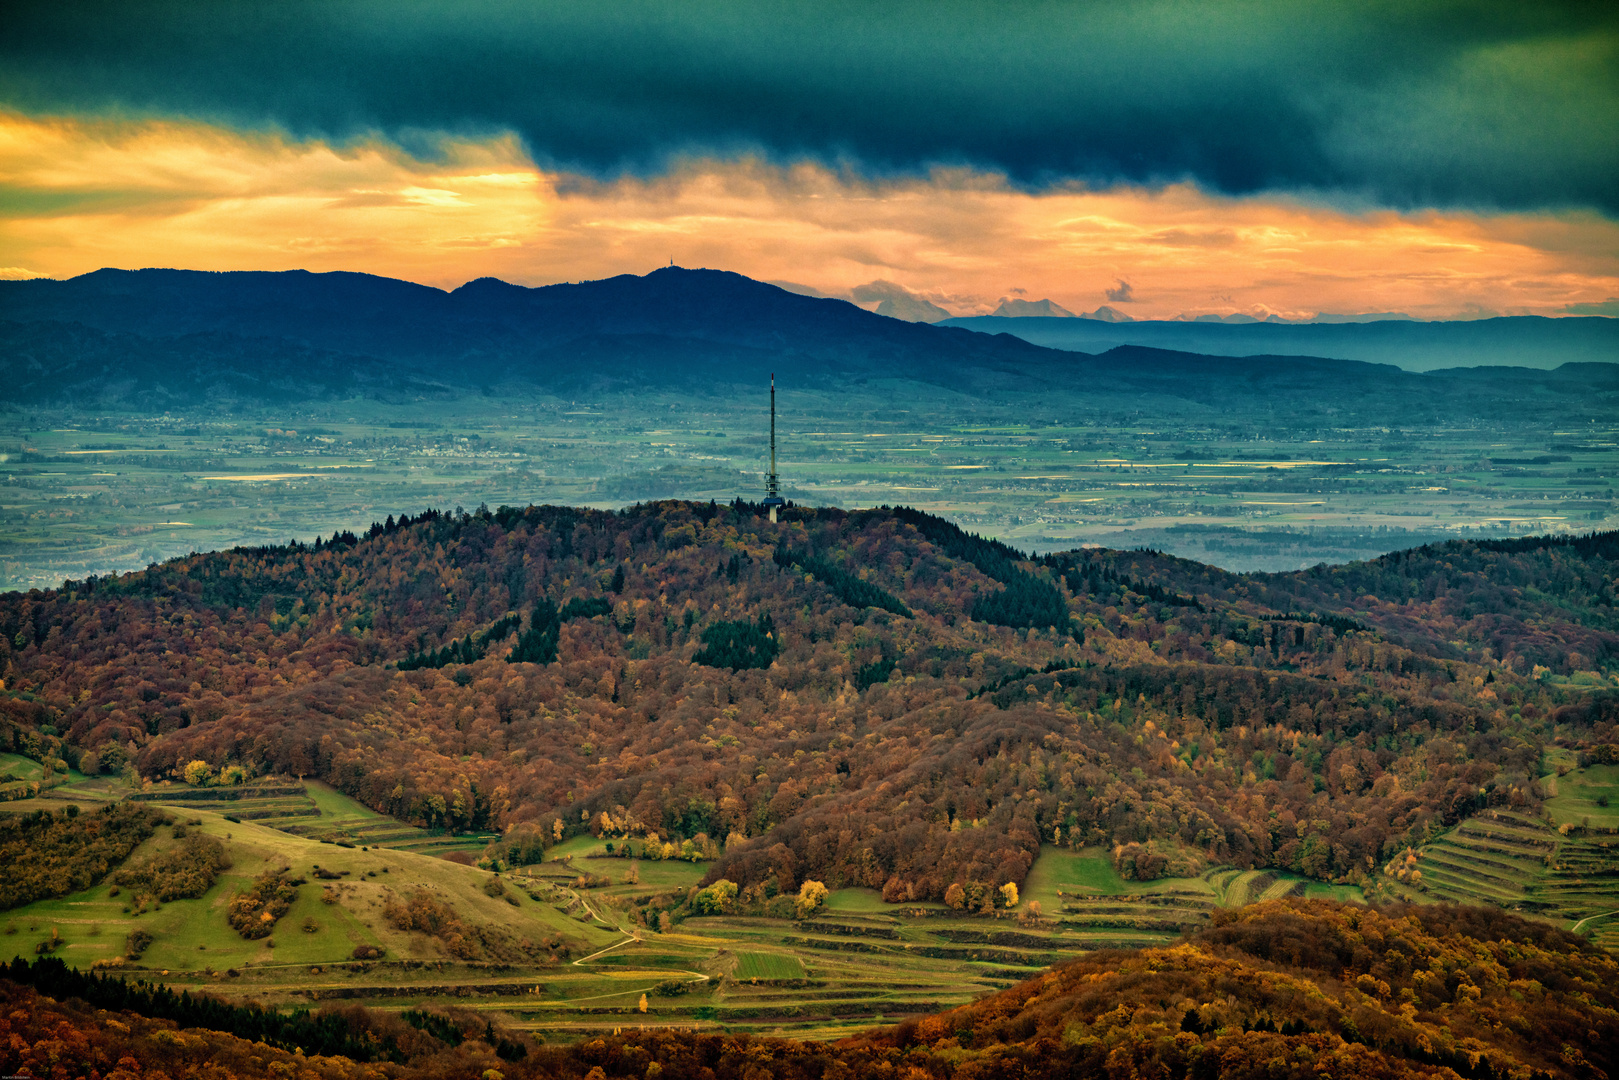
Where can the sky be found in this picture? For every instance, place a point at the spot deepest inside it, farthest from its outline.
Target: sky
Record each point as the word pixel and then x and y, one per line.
pixel 1167 159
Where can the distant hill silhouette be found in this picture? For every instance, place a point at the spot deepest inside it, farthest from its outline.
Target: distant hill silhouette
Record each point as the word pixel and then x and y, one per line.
pixel 159 336
pixel 712 320
pixel 1522 341
pixel 73 363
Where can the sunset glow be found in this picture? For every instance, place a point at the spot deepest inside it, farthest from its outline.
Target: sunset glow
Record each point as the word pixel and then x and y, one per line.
pixel 80 195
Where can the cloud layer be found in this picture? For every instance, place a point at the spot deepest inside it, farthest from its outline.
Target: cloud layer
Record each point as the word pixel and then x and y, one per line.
pixel 1461 104
pixel 81 195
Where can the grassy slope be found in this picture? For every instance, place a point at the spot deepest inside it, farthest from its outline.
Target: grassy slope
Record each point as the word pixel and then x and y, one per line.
pixel 22 768
pixel 1577 794
pixel 1059 873
pixel 192 935
pixel 855 962
pixel 763 965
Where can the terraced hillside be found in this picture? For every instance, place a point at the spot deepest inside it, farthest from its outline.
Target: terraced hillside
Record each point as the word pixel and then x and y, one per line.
pixel 307 808
pixel 857 960
pixel 1569 874
pixel 853 962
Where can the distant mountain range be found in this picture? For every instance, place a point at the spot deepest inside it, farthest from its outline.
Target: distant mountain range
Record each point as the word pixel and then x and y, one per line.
pixel 154 336
pixel 670 324
pixel 1050 309
pixel 1520 341
pixel 1024 309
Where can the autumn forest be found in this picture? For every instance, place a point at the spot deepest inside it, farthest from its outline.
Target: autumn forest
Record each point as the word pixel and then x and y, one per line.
pixel 693 672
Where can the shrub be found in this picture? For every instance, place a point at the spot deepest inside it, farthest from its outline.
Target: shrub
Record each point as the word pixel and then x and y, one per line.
pixel 367 952
pixel 713 900
pixel 253 912
pixel 811 895
pixel 425 915
pixel 185 872
pixel 137 943
pixel 523 846
pixel 1154 859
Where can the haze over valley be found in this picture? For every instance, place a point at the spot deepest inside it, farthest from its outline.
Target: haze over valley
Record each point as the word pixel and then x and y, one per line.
pixel 158 413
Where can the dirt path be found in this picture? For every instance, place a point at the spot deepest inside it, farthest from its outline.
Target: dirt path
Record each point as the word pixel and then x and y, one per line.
pixel 1576 927
pixel 616 945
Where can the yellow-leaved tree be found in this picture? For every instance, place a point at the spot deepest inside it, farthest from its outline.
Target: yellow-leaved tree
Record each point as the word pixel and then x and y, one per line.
pixel 811 895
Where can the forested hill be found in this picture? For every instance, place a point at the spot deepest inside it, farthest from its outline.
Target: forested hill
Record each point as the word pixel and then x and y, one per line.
pixel 872 698
pixel 1538 601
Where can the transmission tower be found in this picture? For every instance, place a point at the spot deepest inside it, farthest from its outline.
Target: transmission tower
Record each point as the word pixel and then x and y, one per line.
pixel 773 499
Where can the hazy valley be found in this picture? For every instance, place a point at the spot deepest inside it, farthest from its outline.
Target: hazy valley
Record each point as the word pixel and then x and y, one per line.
pixel 140 427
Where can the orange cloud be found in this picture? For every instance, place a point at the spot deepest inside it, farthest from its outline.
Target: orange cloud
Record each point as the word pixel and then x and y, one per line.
pixel 78 195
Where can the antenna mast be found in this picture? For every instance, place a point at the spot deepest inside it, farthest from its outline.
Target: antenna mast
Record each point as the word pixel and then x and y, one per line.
pixel 773 499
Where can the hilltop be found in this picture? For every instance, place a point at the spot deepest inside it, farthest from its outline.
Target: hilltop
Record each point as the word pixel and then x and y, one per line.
pixel 660 781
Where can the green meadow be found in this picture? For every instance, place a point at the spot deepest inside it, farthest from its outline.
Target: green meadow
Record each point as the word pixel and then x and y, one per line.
pixel 854 962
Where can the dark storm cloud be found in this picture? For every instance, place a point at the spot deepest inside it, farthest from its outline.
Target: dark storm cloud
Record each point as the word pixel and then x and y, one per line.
pixel 1460 104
